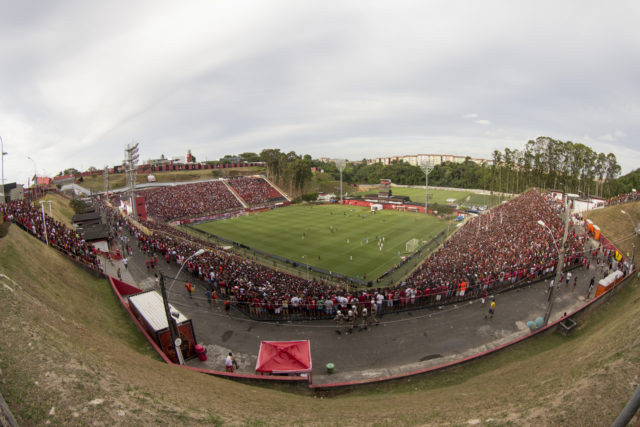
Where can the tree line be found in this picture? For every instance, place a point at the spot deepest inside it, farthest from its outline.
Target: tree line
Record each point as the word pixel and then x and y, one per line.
pixel 544 163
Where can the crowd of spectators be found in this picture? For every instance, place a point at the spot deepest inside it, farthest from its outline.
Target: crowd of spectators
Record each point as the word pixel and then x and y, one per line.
pixel 68 241
pixel 255 191
pixel 189 200
pixel 502 248
pixel 624 198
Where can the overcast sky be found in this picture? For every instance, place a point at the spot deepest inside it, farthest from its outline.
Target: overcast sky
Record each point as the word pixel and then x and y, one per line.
pixel 79 80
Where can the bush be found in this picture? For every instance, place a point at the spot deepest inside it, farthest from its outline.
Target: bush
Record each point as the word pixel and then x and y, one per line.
pixel 78 206
pixel 309 197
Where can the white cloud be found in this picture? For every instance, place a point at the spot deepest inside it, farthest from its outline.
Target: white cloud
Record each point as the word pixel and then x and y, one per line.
pixel 80 81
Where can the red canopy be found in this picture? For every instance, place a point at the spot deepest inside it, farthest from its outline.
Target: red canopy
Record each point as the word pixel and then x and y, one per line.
pixel 284 357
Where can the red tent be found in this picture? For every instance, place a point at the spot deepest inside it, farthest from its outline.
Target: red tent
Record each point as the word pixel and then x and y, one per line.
pixel 284 357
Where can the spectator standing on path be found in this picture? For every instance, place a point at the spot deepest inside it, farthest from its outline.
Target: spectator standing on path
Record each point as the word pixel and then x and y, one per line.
pixel 492 309
pixel 363 318
pixel 590 287
pixel 208 295
pixel 351 318
pixel 339 319
pixel 229 363
pixel 124 261
pixel 119 274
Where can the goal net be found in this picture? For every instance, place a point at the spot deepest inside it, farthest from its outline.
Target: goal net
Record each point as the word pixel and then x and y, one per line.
pixel 412 245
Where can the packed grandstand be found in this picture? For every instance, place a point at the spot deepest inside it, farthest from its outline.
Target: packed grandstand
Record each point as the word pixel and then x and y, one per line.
pixel 500 249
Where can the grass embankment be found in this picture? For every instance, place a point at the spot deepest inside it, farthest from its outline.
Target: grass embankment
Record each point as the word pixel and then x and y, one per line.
pixel 60 209
pixel 303 233
pixel 70 355
pixel 96 182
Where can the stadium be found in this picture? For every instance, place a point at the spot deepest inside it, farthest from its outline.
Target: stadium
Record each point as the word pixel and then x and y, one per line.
pixel 334 297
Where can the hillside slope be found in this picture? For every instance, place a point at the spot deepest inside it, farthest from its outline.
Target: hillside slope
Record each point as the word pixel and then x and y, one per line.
pixel 71 355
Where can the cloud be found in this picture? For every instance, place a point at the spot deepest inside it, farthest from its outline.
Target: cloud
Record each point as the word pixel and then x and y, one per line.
pixel 80 81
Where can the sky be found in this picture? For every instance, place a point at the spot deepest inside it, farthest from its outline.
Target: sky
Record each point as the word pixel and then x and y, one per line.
pixel 341 79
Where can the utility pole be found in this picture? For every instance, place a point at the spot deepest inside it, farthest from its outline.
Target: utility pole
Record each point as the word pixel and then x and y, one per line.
pixel 131 159
pixel 340 164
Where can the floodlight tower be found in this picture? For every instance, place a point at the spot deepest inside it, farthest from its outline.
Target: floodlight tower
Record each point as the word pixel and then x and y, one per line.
pixel 340 164
pixel 131 159
pixel 427 166
pixel 3 154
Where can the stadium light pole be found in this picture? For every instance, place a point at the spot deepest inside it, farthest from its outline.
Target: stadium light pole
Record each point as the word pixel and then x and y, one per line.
pixel 636 231
pixel 131 160
pixel 44 221
pixel 4 153
pixel 35 175
pixel 340 164
pixel 560 250
pixel 427 167
pixel 195 254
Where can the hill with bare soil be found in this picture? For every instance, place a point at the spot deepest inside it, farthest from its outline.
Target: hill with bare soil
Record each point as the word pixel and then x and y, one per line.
pixel 70 354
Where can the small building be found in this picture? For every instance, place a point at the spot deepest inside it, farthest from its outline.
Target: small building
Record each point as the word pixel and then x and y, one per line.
pixel 149 309
pixel 86 219
pixel 61 180
pixel 11 192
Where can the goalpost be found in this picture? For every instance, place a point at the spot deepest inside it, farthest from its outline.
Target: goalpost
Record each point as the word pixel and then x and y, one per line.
pixel 412 245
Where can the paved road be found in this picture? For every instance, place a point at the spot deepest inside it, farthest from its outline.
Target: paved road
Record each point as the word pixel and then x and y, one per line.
pixel 402 342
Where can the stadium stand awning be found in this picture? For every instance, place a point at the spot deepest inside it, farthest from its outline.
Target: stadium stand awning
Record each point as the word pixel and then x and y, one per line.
pixel 284 357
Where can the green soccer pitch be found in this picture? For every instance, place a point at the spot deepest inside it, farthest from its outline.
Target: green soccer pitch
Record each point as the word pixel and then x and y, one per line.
pixel 342 239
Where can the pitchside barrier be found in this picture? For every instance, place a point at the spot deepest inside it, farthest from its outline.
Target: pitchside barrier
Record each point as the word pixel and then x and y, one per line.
pixel 286 310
